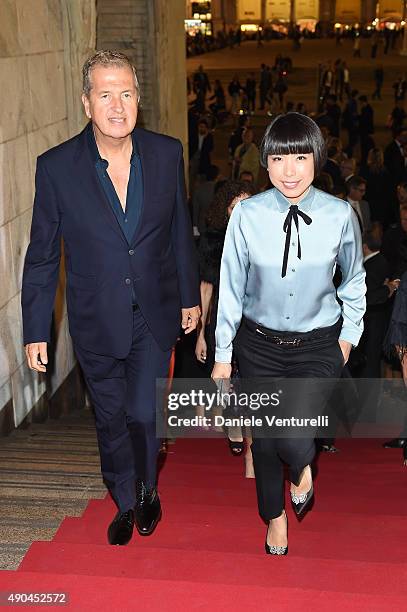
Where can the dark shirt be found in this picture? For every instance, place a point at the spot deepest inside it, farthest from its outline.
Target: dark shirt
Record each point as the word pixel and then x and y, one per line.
pixel 128 219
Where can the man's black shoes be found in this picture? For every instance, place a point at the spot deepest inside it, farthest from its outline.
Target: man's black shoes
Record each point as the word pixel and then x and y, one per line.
pixel 121 528
pixel 395 443
pixel 147 509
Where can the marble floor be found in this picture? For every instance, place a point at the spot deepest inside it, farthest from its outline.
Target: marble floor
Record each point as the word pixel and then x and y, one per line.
pixel 47 472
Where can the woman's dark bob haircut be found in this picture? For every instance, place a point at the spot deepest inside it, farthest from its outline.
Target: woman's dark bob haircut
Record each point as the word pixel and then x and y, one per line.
pixel 294 133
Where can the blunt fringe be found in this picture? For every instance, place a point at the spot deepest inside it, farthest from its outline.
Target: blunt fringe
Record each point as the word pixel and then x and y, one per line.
pixel 294 133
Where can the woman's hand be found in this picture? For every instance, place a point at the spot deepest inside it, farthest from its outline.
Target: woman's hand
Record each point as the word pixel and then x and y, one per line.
pixel 346 349
pixel 201 349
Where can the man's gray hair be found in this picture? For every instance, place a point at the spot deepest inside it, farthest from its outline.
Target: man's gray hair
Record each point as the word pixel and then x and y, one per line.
pixel 106 58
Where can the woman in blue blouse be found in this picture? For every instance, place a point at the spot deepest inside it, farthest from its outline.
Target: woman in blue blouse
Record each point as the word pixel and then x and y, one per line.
pixel 278 306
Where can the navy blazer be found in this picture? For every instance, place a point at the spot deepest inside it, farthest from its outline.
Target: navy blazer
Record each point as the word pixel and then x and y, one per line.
pixel 100 264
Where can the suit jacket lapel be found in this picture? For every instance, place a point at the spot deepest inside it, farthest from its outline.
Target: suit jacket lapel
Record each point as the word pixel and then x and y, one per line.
pixel 147 160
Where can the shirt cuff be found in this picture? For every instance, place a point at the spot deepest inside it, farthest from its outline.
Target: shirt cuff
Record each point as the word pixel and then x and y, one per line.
pixel 350 335
pixel 223 355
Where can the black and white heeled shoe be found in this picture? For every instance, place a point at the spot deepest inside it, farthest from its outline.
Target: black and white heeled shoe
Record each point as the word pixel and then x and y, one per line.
pixel 273 549
pixel 302 500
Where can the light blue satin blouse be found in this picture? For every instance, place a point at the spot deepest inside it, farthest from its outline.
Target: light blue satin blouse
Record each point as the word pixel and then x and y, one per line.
pixel 305 299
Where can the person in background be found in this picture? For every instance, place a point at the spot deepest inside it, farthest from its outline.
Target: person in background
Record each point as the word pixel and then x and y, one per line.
pixel 236 137
pixel 333 110
pixel 247 156
pixel 366 128
pixel 356 189
pixel 350 121
pixel 395 162
pixel 265 86
pixel 400 88
pixel 394 246
pixel 378 187
pixel 378 76
pixel 234 89
pixel 396 343
pixel 396 118
pixel 251 92
pixel 281 88
pixel 200 151
pixel 332 166
pixel 202 197
pixel 348 168
pixel 228 194
pixel 379 290
pixel 200 81
pixel 346 81
pixel 219 96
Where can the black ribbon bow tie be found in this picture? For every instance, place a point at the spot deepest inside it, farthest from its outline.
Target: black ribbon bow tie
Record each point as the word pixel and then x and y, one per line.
pixel 293 213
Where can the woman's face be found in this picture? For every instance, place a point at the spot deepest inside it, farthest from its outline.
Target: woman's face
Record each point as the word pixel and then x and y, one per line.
pixel 239 198
pixel 291 174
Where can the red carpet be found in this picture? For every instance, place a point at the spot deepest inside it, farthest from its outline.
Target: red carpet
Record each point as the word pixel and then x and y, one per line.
pixel 207 553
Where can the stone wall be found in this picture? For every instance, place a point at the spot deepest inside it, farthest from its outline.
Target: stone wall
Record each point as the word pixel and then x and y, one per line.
pixel 151 33
pixel 42 46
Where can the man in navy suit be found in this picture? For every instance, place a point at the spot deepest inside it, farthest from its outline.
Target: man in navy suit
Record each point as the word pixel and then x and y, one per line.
pixel 116 195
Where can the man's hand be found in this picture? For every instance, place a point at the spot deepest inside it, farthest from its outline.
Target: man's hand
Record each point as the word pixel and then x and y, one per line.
pixel 190 318
pixel 37 356
pixel 346 349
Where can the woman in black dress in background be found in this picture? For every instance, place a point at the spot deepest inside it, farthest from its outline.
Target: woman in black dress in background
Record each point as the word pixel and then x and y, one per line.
pixel 396 341
pixel 227 195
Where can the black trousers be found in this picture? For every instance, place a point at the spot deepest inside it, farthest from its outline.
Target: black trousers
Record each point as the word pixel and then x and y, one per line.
pixel 123 393
pixel 319 356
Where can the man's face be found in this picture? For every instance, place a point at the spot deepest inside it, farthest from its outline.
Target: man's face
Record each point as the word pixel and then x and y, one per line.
pixel 202 129
pixel 112 103
pixel 403 220
pixel 357 193
pixel 247 136
pixel 347 168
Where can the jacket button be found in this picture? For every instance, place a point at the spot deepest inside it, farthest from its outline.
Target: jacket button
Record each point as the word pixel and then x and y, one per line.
pixel 127 281
pixel 131 252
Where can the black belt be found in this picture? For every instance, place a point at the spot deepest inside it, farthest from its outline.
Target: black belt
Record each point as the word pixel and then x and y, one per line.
pixel 135 307
pixel 297 338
